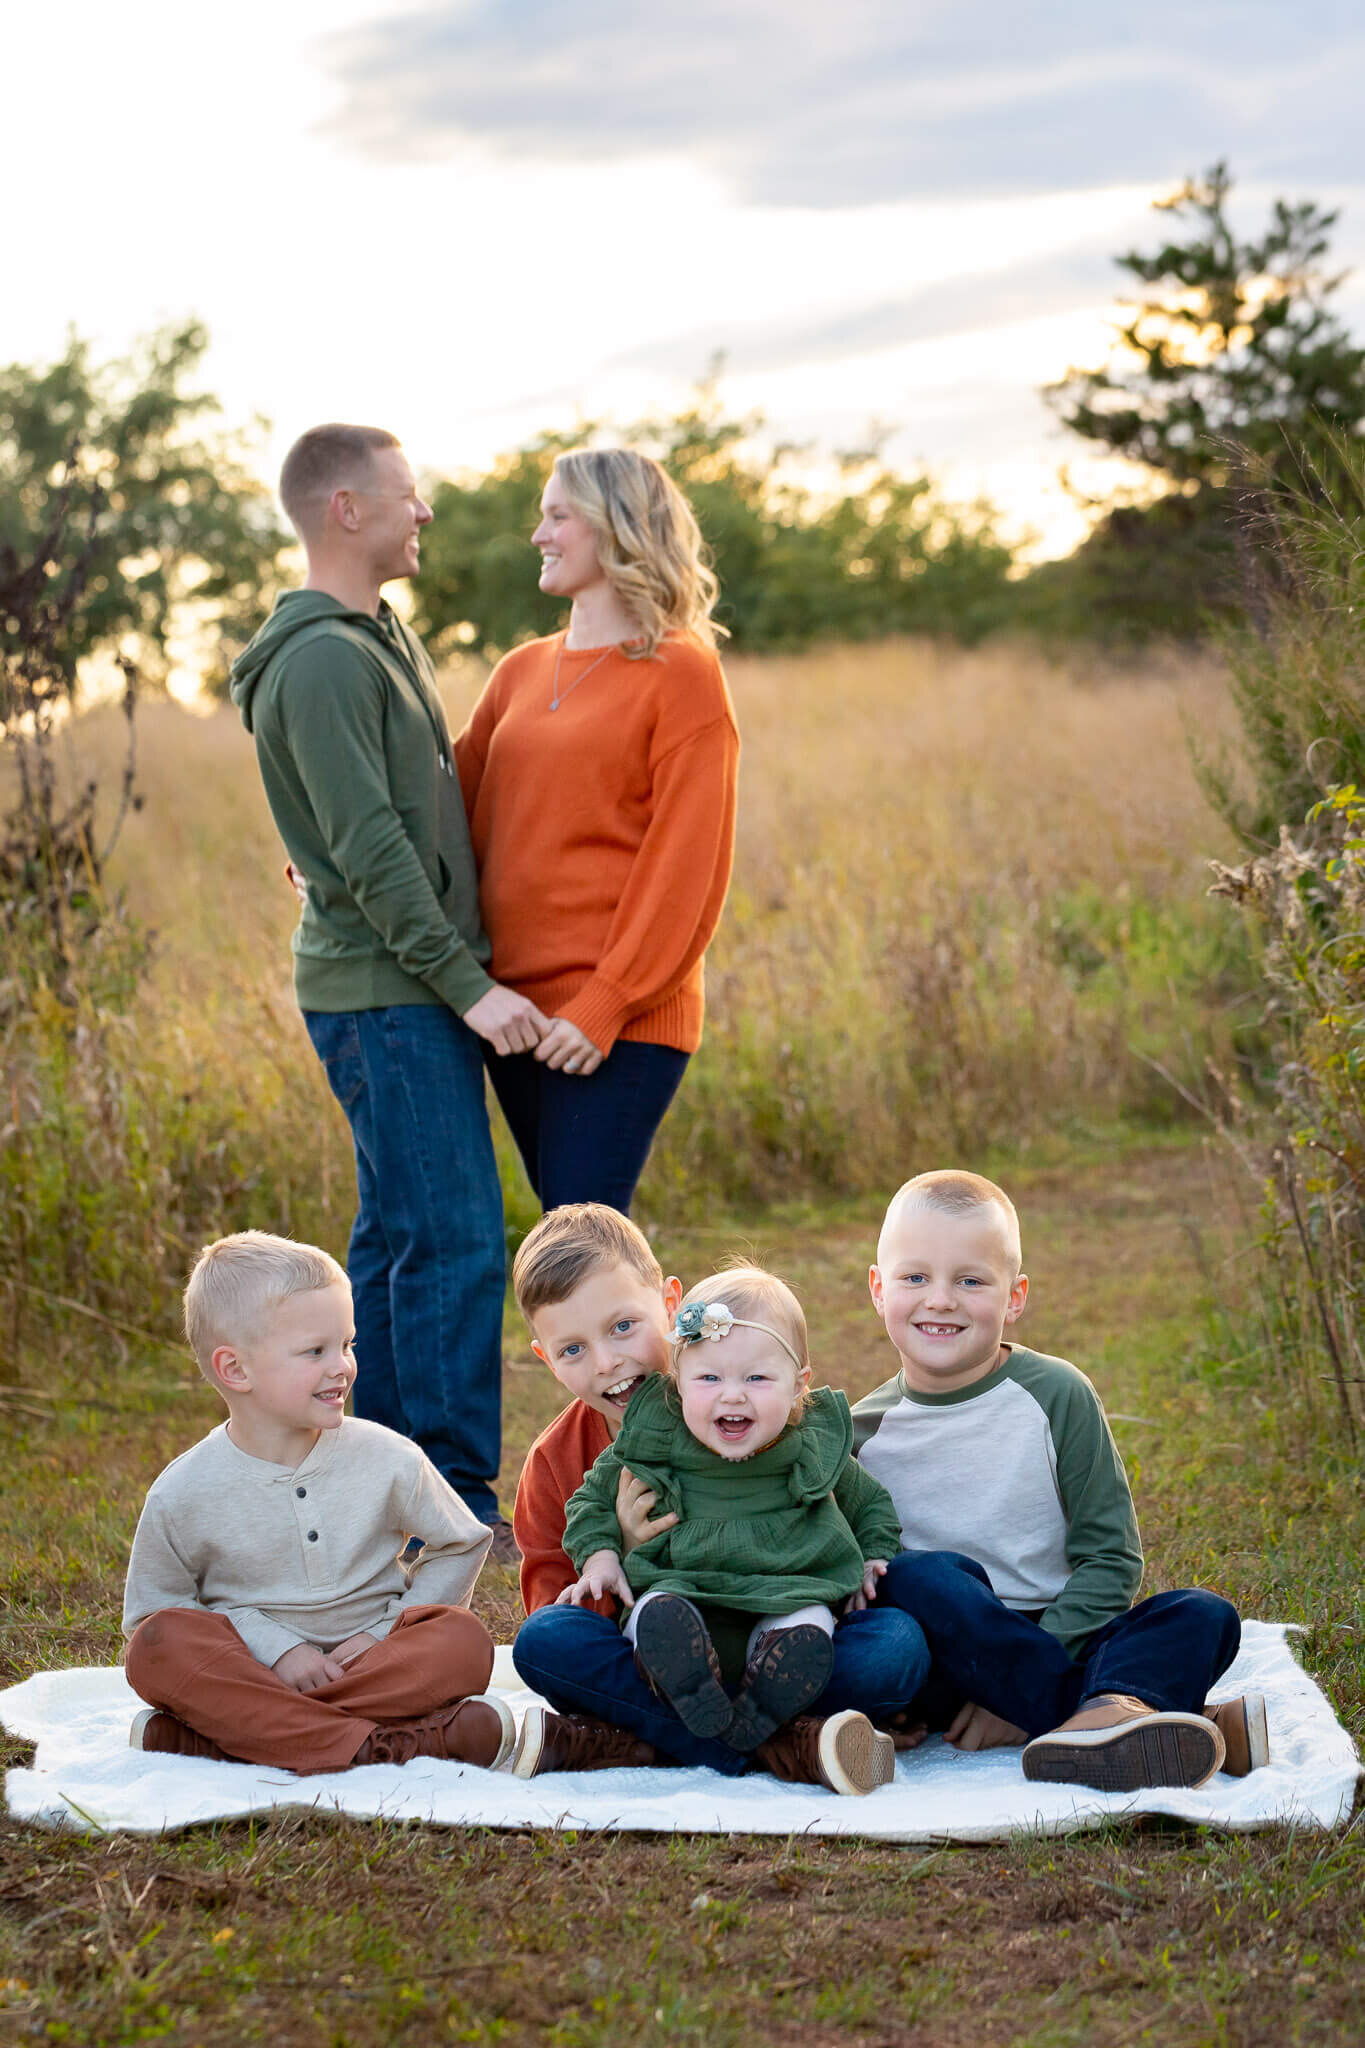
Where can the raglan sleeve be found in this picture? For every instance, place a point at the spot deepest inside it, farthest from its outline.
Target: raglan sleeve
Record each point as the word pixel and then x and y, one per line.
pixel 1102 1544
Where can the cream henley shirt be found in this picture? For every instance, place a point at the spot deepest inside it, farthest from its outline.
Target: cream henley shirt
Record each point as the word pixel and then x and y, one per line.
pixel 308 1555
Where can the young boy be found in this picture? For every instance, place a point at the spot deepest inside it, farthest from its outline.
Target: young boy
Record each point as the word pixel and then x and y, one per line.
pixel 599 1311
pixel 1021 1546
pixel 269 1617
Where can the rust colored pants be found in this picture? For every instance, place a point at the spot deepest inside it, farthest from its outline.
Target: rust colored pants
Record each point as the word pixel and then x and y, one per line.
pixel 192 1663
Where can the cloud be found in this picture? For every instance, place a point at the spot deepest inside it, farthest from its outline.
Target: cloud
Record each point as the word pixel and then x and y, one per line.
pixel 799 102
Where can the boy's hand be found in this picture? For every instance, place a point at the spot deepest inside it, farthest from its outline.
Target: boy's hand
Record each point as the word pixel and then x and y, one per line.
pixel 973 1727
pixel 601 1574
pixel 305 1667
pixel 634 1503
pixel 874 1569
pixel 354 1646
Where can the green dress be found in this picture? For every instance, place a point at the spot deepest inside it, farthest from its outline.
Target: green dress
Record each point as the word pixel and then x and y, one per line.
pixel 792 1525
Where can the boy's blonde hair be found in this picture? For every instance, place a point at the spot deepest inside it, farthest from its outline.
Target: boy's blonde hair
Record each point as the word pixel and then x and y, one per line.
pixel 238 1281
pixel 570 1243
pixel 955 1193
pixel 752 1295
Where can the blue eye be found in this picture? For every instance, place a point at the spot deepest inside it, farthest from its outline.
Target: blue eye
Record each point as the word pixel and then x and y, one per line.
pixel 626 1323
pixel 569 1350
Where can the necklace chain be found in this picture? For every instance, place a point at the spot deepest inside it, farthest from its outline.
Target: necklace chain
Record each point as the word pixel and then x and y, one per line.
pixel 555 699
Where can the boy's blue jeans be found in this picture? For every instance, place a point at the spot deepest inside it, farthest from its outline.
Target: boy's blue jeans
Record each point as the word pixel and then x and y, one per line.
pixel 427 1258
pixel 582 1664
pixel 1167 1651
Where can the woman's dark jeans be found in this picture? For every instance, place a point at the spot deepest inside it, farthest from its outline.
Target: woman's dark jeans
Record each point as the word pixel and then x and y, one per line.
pixel 585 1138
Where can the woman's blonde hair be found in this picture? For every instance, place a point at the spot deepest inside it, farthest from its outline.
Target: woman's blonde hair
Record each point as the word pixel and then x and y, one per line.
pixel 648 543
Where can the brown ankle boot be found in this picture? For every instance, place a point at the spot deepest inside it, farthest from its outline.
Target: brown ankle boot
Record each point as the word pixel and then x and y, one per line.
pixel 156 1731
pixel 1242 1725
pixel 675 1655
pixel 472 1732
pixel 845 1753
pixel 576 1742
pixel 1120 1744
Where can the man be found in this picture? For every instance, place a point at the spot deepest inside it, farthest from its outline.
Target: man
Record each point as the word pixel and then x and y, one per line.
pixel 389 952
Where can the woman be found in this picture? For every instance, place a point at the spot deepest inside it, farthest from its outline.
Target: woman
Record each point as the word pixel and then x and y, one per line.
pixel 598 770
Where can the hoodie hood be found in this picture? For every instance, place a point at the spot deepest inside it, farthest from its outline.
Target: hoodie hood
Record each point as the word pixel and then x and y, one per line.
pixel 294 610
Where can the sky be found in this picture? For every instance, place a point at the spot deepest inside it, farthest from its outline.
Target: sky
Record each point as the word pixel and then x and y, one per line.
pixel 476 220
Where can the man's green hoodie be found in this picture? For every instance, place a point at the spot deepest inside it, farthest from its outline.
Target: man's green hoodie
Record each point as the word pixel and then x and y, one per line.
pixel 355 756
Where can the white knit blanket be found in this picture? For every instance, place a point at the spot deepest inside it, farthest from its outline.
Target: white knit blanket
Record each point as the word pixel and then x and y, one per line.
pixel 85 1776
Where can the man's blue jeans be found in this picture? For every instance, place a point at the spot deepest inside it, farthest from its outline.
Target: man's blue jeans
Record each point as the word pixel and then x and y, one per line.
pixel 582 1664
pixel 1167 1651
pixel 427 1260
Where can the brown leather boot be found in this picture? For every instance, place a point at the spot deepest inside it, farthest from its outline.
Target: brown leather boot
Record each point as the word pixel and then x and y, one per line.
pixel 675 1655
pixel 477 1732
pixel 576 1742
pixel 845 1753
pixel 156 1731
pixel 1242 1725
pixel 1120 1744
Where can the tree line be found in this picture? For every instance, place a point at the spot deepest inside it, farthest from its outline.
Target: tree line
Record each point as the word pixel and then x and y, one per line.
pixel 1230 369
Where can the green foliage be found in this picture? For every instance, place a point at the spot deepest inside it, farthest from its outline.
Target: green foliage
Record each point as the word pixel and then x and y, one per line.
pixel 1227 342
pixel 1230 355
pixel 172 509
pixel 884 556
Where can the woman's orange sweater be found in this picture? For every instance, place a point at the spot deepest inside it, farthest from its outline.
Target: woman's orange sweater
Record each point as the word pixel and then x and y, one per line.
pixel 604 831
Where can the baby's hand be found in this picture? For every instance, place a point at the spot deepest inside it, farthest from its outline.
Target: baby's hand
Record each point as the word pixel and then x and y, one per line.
pixel 634 1501
pixel 601 1574
pixel 874 1569
pixel 305 1667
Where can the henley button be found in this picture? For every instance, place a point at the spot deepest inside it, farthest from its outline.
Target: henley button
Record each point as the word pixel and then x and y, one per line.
pixel 302 1492
pixel 312 1535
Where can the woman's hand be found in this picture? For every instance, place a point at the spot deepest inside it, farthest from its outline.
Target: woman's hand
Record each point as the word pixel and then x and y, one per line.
pixel 567 1049
pixel 874 1569
pixel 601 1574
pixel 634 1502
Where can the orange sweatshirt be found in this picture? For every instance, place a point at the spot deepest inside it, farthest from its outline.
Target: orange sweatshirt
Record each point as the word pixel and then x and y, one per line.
pixel 604 831
pixel 555 1468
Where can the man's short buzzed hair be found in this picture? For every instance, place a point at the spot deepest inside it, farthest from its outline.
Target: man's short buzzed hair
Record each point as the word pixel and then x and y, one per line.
pixel 327 459
pixel 239 1281
pixel 571 1242
pixel 955 1193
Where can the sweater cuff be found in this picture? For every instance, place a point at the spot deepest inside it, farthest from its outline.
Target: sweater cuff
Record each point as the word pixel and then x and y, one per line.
pixel 600 1010
pixel 267 1640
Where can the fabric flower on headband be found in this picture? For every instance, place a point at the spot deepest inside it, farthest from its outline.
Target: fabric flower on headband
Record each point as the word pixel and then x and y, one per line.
pixel 711 1320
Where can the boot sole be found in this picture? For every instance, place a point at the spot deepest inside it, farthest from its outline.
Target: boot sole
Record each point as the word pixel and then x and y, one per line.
pixel 530 1744
pixel 1135 1756
pixel 674 1650
pixel 1252 1740
pixel 793 1669
pixel 855 1757
pixel 507 1729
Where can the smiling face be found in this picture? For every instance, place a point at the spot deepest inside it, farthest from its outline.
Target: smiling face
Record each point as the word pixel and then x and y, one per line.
pixel 947 1286
pixel 738 1393
pixel 568 546
pixel 289 1384
pixel 391 514
pixel 603 1340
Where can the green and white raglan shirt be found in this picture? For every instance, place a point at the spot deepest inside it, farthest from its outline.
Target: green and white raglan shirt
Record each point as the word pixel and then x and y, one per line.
pixel 1018 1471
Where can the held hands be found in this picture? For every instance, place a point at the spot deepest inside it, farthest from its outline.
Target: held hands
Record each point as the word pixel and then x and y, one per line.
pixel 601 1574
pixel 305 1667
pixel 874 1569
pixel 565 1048
pixel 973 1727
pixel 634 1505
pixel 510 1023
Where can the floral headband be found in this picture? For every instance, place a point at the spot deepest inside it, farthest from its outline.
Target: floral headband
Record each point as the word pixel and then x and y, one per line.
pixel 709 1321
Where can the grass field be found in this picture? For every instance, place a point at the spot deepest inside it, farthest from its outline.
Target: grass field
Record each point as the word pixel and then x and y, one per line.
pixel 343 1935
pixel 968 901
